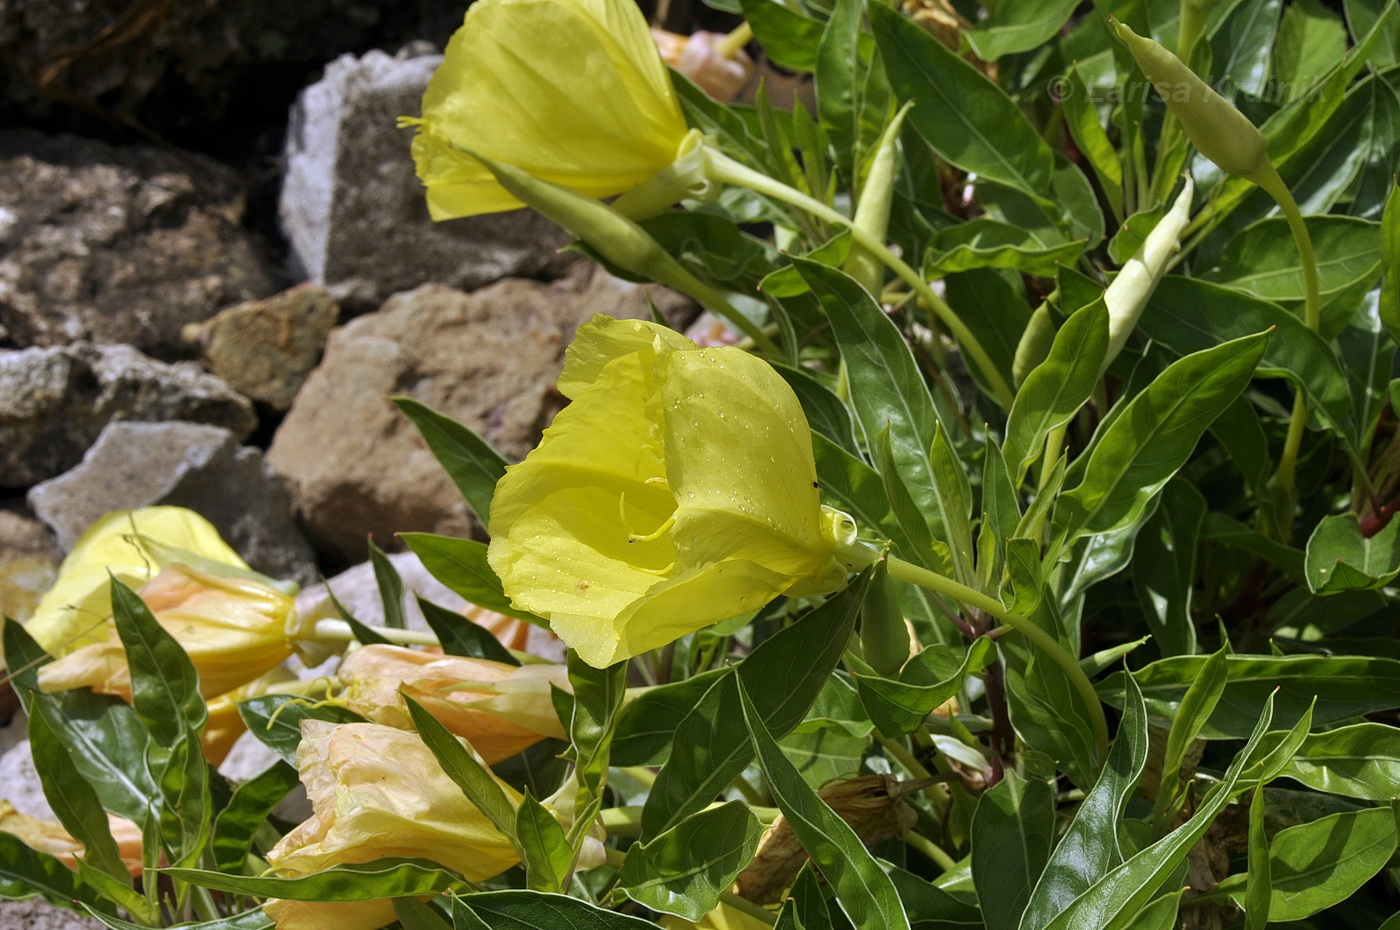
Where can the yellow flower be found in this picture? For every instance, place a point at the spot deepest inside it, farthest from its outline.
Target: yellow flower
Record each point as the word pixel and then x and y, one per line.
pixel 49 836
pixel 722 917
pixel 500 709
pixel 224 724
pixel 676 490
pixel 72 612
pixel 234 629
pixel 378 791
pixel 571 91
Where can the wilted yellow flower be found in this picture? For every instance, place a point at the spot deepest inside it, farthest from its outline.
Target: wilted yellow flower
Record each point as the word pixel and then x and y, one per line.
pixel 723 917
pixel 676 490
pixel 330 915
pixel 571 91
pixel 500 709
pixel 234 629
pixel 378 791
pixel 49 836
pixel 71 613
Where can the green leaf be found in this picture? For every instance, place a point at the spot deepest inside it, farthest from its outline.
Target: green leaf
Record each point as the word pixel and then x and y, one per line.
pixel 836 77
pixel 246 811
pixel 1256 895
pixel 988 243
pixel 464 767
pixel 598 695
pixel 1164 570
pixel 1082 119
pixel 1199 702
pixel 254 919
pixel 1362 16
pixel 470 461
pixel 1055 389
pixel 1310 40
pixel 1018 27
pixel 865 893
pixel 1340 558
pixel 993 305
pixel 827 413
pixel 806 907
pixel 784 673
pixel 415 915
pixel 684 870
pixel 534 910
pixel 547 855
pixel 1360 761
pixel 275 719
pixel 900 707
pixel 1344 688
pixel 459 636
pixel 967 119
pixel 648 723
pixel 1188 315
pixel 461 565
pixel 1316 865
pixel 26 873
pixel 1012 832
pixel 789 39
pixel 1390 261
pixel 164 684
pixel 361 881
pixel 1090 847
pixel 1114 901
pixel 1153 437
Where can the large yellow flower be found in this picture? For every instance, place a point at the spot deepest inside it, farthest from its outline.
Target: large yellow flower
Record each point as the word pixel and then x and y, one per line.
pixel 571 91
pixel 676 490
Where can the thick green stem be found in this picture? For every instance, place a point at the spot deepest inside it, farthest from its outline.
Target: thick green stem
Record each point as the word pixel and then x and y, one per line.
pixel 901 570
pixel 1282 489
pixel 726 170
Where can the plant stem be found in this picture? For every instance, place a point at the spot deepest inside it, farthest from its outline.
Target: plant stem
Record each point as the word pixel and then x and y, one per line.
pixel 722 168
pixel 901 570
pixel 730 45
pixel 339 631
pixel 748 907
pixel 1282 486
pixel 931 850
pixel 935 792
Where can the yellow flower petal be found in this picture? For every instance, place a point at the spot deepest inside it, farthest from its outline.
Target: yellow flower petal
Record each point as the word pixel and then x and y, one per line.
pixel 571 91
pixel 676 490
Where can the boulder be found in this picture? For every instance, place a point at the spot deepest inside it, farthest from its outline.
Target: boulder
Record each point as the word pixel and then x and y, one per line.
pixel 264 349
pixel 489 358
pixel 29 559
pixel 118 245
pixel 350 180
pixel 187 465
pixel 54 402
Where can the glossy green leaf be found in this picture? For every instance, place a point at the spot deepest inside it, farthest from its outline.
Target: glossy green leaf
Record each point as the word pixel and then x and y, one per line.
pixel 989 243
pixel 1090 847
pixel 1390 260
pixel 1018 27
pixel 1340 558
pixel 1082 120
pixel 647 724
pixel 164 684
pixel 898 707
pixel 1361 17
pixel 598 695
pixel 1013 829
pixel 1199 702
pixel 864 891
pixel 1360 761
pixel 1310 40
pixel 967 119
pixel 1114 901
pixel 253 919
pixel 1240 44
pixel 364 881
pixel 1164 569
pixel 415 915
pixel 547 855
pixel 1344 688
pixel 534 910
pixel 784 675
pixel 1056 389
pixel 461 565
pixel 789 38
pixel 459 636
pixel 246 811
pixel 684 870
pixel 1157 431
pixel 390 585
pixel 1256 894
pixel 806 906
pixel 470 461
pixel 993 306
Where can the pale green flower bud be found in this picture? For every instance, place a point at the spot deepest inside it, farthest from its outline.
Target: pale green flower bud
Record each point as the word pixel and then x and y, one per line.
pixel 1130 291
pixel 1218 130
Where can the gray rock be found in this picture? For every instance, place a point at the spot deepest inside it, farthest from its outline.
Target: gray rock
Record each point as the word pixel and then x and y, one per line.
pixel 489 359
pixel 350 178
pixel 187 465
pixel 118 245
pixel 34 914
pixel 264 349
pixel 55 401
pixel 29 559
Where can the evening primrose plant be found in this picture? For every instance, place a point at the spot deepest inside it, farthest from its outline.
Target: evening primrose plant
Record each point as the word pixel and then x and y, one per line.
pixel 1022 555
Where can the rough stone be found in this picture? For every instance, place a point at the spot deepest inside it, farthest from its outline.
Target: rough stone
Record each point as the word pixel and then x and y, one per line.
pixel 35 914
pixel 118 245
pixel 350 177
pixel 265 349
pixel 55 401
pixel 489 359
pixel 188 465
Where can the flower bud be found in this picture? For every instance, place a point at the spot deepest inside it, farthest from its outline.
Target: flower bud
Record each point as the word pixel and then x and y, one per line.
pixel 1129 292
pixel 500 709
pixel 1218 130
